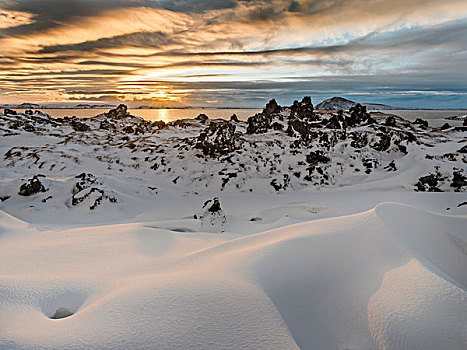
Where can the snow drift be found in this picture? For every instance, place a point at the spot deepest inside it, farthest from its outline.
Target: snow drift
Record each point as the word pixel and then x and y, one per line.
pixel 388 278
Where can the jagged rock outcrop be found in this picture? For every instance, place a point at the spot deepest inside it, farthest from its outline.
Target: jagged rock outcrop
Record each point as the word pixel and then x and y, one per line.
pixel 264 121
pixel 217 139
pixel 459 180
pixel 120 112
pixel 32 186
pixel 272 107
pixel 302 110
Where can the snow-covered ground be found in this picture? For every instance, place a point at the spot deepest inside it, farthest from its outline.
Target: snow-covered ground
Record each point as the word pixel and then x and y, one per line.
pixel 295 230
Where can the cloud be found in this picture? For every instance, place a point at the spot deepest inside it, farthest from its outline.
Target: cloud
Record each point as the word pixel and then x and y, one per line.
pixel 237 51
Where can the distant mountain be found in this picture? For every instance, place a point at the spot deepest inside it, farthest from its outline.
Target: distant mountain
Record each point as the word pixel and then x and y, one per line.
pixel 56 106
pixel 343 103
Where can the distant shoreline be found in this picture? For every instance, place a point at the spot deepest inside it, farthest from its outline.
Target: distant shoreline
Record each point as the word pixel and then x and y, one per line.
pixel 246 108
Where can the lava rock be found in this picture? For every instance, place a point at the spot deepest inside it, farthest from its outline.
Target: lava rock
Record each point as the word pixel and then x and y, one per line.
pixel 383 143
pixel 359 139
pixel 7 111
pixel 217 139
pixel 445 126
pixel 389 121
pixel 272 107
pixel 359 116
pixel 158 124
pixel 316 157
pixel 458 180
pixel 33 186
pixel 29 128
pixel 259 123
pixel 302 110
pixel 234 118
pixel 202 117
pixel 106 125
pixel 118 113
pixel 78 126
pixel 421 122
pixel 429 183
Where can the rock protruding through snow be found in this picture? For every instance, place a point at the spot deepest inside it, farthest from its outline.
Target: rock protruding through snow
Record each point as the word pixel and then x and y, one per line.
pixel 211 216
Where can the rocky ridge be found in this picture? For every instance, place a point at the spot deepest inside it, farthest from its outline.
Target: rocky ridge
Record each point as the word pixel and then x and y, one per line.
pixel 279 149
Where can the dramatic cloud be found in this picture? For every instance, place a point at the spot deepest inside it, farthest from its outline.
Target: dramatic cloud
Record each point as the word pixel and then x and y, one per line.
pixel 239 52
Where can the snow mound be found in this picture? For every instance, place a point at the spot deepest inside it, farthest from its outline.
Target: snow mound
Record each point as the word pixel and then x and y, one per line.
pixel 387 278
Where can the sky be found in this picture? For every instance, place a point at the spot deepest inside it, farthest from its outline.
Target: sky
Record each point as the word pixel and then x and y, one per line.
pixel 234 52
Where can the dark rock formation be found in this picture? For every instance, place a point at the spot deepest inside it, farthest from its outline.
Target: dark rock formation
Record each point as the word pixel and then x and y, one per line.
pixel 421 122
pixel 106 125
pixel 211 216
pixel 29 128
pixel 389 121
pixel 78 126
pixel 359 116
pixel 272 107
pixel 85 187
pixel 158 124
pixel 259 124
pixel 202 117
pixel 383 143
pixel 391 166
pixel 316 157
pixel 281 186
pixel 458 180
pixel 429 183
pixel 7 111
pixel 118 113
pixel 302 110
pixel 234 118
pixel 217 139
pixel 33 186
pixel 359 139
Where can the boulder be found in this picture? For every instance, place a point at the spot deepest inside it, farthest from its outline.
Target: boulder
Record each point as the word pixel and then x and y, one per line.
pixel 32 186
pixel 202 117
pixel 421 122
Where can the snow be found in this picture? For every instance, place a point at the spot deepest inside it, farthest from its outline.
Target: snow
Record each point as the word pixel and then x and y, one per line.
pixel 177 258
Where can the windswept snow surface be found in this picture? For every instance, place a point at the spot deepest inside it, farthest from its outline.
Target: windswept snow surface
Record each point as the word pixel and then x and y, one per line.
pixel 100 247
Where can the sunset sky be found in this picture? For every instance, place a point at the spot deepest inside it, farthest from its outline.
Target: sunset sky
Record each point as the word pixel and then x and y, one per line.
pixel 233 52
